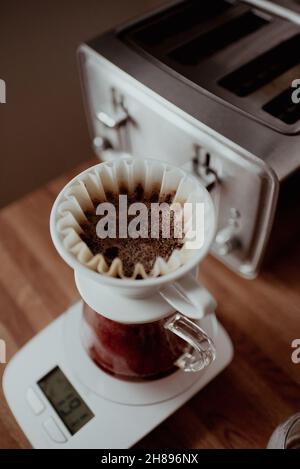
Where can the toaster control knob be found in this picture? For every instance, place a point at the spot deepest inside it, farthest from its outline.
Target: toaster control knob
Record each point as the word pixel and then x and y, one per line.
pixel 101 144
pixel 226 240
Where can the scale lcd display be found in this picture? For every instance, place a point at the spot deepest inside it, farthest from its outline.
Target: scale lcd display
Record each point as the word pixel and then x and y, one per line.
pixel 65 400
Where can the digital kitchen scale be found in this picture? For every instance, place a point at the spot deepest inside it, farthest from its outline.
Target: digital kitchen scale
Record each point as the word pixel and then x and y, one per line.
pixel 61 399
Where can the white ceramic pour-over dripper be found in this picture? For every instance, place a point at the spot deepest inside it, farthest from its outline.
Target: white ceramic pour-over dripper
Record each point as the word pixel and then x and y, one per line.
pixel 177 289
pixel 172 179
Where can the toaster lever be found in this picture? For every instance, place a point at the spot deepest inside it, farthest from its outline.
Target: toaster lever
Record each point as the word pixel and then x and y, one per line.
pixel 202 168
pixel 112 122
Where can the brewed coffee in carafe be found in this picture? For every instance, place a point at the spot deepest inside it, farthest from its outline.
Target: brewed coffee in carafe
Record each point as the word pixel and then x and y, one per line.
pixel 131 351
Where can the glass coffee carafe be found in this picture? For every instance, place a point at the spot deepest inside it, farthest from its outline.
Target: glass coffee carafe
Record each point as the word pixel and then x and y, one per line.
pixel 144 351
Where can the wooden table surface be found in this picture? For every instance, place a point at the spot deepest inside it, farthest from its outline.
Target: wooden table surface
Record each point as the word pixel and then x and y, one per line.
pixel 238 409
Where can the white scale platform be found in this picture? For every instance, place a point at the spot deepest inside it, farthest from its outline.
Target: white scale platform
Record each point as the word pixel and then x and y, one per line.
pixel 124 412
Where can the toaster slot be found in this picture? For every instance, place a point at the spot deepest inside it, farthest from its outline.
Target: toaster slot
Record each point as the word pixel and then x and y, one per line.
pixel 236 50
pixel 217 39
pixel 176 20
pixel 283 108
pixel 264 69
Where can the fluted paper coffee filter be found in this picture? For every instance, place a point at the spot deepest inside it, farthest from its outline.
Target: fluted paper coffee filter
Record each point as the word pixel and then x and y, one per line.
pixel 104 179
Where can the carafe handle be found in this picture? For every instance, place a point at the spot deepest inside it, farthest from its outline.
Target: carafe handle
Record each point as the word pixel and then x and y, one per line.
pixel 192 301
pixel 201 352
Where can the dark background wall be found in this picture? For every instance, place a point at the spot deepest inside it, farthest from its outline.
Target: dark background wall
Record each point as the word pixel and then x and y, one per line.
pixel 42 126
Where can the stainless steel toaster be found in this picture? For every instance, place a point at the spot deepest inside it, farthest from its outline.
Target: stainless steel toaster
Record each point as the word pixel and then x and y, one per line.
pixel 206 85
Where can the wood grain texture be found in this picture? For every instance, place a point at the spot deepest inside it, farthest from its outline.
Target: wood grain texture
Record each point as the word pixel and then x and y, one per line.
pixel 241 407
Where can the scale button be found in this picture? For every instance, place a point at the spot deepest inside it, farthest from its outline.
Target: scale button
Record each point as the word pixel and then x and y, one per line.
pixel 54 431
pixel 34 401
